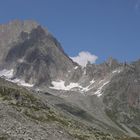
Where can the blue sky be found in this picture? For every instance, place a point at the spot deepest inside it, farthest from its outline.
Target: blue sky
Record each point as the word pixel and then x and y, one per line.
pixel 102 27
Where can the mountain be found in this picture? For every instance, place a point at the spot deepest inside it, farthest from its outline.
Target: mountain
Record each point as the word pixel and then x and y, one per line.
pixel 33 53
pixel 41 87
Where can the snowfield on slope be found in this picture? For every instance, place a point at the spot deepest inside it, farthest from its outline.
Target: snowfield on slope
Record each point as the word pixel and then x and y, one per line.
pixel 8 74
pixel 60 85
pixel 99 91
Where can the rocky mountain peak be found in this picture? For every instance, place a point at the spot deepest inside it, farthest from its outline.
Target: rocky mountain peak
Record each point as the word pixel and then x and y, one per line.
pixel 34 54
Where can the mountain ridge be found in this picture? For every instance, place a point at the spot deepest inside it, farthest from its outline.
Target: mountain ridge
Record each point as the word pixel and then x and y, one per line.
pixel 104 96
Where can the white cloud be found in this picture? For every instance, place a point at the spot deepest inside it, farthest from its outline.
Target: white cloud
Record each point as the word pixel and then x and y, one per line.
pixel 83 58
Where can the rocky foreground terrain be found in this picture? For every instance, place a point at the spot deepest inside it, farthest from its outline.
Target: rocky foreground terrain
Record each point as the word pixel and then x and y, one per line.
pixel 44 95
pixel 28 115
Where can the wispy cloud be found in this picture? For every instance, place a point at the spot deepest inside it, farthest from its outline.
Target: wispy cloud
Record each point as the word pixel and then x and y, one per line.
pixel 84 57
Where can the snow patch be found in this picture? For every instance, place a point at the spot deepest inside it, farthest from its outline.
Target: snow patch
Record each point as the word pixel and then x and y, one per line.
pixel 60 85
pixel 116 71
pixel 7 73
pixel 76 67
pixel 99 91
pixel 21 82
pixel 92 82
pixel 85 89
